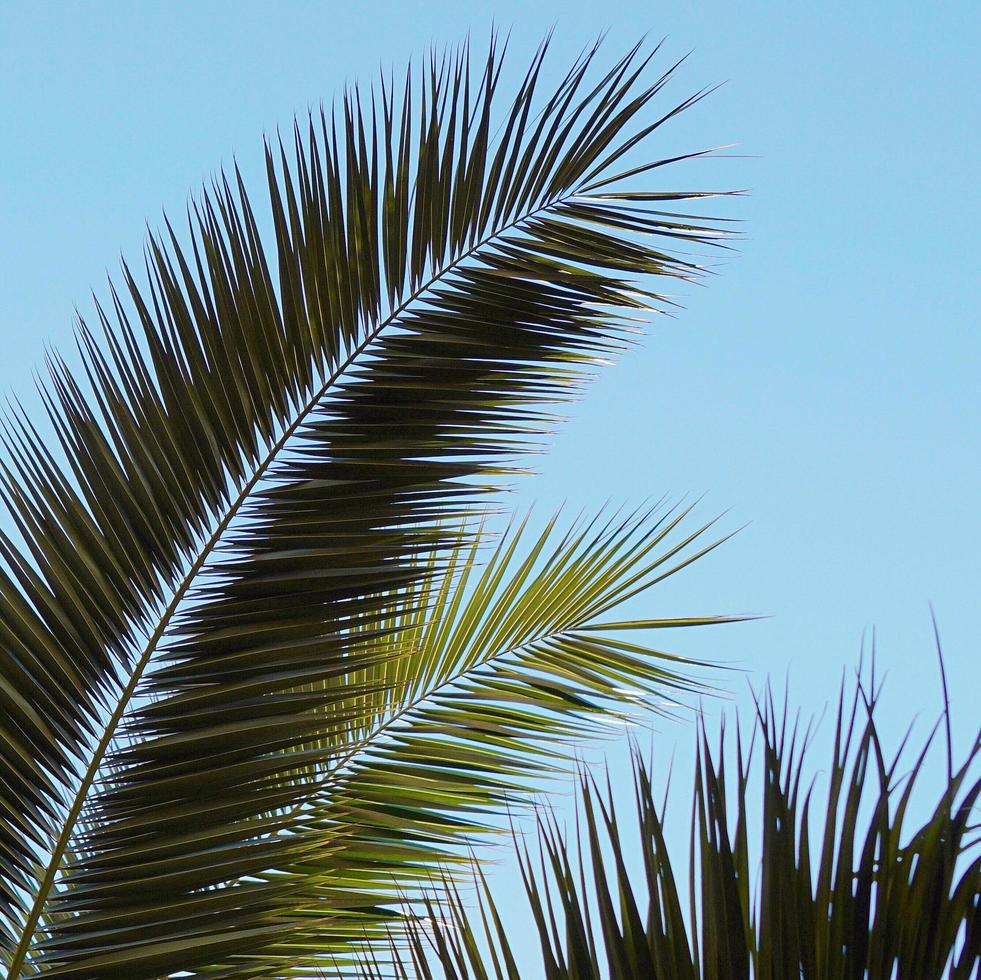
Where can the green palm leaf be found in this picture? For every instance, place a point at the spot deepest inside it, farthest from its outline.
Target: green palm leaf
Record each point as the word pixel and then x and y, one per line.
pixel 258 451
pixel 494 676
pixel 865 896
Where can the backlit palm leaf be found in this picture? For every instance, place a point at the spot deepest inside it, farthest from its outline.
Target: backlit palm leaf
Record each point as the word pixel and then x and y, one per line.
pixel 507 662
pixel 261 446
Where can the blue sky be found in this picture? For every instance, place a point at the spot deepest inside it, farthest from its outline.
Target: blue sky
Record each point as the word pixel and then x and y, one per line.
pixel 823 387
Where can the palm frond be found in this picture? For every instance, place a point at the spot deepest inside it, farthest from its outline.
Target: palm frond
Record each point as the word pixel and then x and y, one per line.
pixel 502 671
pixel 855 893
pixel 258 448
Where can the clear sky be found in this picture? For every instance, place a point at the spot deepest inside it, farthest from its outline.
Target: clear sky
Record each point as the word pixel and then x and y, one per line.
pixel 825 386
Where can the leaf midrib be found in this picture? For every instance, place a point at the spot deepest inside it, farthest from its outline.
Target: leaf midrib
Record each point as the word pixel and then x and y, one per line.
pixel 80 797
pixel 420 698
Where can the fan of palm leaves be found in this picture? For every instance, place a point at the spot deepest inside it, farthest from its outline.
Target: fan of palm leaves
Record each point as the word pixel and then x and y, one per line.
pixel 251 680
pixel 844 886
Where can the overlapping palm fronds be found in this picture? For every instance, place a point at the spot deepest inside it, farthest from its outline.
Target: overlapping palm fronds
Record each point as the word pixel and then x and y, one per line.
pixel 260 449
pixel 843 887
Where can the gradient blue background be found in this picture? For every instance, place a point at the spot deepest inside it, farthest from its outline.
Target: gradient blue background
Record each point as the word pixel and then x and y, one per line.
pixel 825 386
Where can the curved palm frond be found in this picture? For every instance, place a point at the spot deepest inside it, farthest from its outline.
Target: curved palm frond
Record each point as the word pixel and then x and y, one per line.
pixel 258 449
pixel 854 894
pixel 492 680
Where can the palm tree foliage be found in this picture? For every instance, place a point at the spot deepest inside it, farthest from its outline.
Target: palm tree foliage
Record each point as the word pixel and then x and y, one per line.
pixel 247 692
pixel 844 886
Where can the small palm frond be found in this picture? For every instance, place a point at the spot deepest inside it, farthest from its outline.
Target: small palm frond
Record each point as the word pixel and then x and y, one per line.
pixel 854 893
pixel 505 667
pixel 263 444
